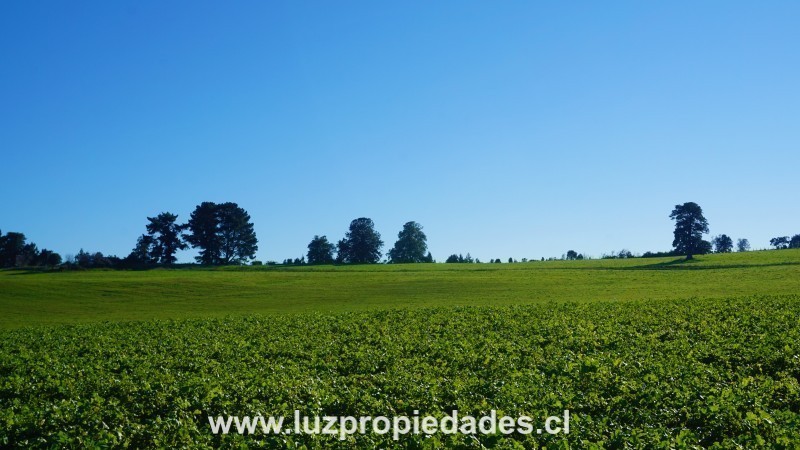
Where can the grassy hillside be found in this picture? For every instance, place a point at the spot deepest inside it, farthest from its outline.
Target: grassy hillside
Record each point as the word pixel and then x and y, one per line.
pixel 33 298
pixel 644 353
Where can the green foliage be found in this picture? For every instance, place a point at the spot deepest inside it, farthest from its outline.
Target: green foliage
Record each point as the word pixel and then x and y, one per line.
pixel 742 245
pixel 722 243
pixel 459 258
pixel 223 233
pixel 202 234
pixel 690 225
pixel 643 374
pixel 235 233
pixel 143 253
pixel 12 249
pixel 320 251
pixel 362 244
pixel 166 238
pixel 411 245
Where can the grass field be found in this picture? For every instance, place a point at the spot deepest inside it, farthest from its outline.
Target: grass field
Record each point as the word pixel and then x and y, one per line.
pixel 644 353
pixel 31 298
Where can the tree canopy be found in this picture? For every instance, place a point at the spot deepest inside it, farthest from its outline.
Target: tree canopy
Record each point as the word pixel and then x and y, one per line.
pixel 223 233
pixel 690 225
pixel 722 243
pixel 411 245
pixel 362 244
pixel 202 226
pixel 166 238
pixel 780 242
pixel 742 245
pixel 320 251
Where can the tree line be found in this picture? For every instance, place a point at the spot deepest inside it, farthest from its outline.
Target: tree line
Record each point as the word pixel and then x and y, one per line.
pixel 223 234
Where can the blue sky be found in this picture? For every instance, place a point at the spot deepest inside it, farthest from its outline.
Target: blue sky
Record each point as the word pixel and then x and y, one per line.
pixel 507 129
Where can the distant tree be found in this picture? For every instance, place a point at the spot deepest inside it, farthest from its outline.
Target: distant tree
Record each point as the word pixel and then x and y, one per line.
pixel 429 258
pixel 202 226
pixel 28 255
pixel 742 245
pixel 468 259
pixel 84 259
pixel 722 243
pixel 572 254
pixel 411 245
pixel 320 251
pixel 98 259
pixel 794 242
pixel 497 261
pixel 452 259
pixel 510 260
pixel 579 257
pixel 780 243
pixel 52 259
pixel 166 234
pixel 143 253
pixel 341 251
pixel 47 258
pixel 223 233
pixel 12 246
pixel 690 225
pixel 237 238
pixel 362 244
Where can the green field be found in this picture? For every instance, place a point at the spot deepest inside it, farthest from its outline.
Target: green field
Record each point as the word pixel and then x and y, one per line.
pixel 645 353
pixel 31 298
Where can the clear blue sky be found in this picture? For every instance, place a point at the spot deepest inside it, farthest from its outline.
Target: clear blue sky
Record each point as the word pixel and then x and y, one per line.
pixel 507 129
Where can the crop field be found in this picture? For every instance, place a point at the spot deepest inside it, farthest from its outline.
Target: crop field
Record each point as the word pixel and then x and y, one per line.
pixel 643 353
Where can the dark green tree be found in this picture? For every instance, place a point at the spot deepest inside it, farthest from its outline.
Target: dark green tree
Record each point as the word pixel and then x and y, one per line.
pixel 341 251
pixel 48 258
pixel 28 256
pixel 320 251
pixel 223 233
pixel 166 234
pixel 84 259
pixel 143 253
pixel 722 243
pixel 362 244
pixel 780 243
pixel 690 225
pixel 742 245
pixel 12 247
pixel 572 254
pixel 411 245
pixel 794 242
pixel 237 238
pixel 202 226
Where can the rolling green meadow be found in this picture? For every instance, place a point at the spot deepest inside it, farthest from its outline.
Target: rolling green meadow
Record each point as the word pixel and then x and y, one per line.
pixel 645 353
